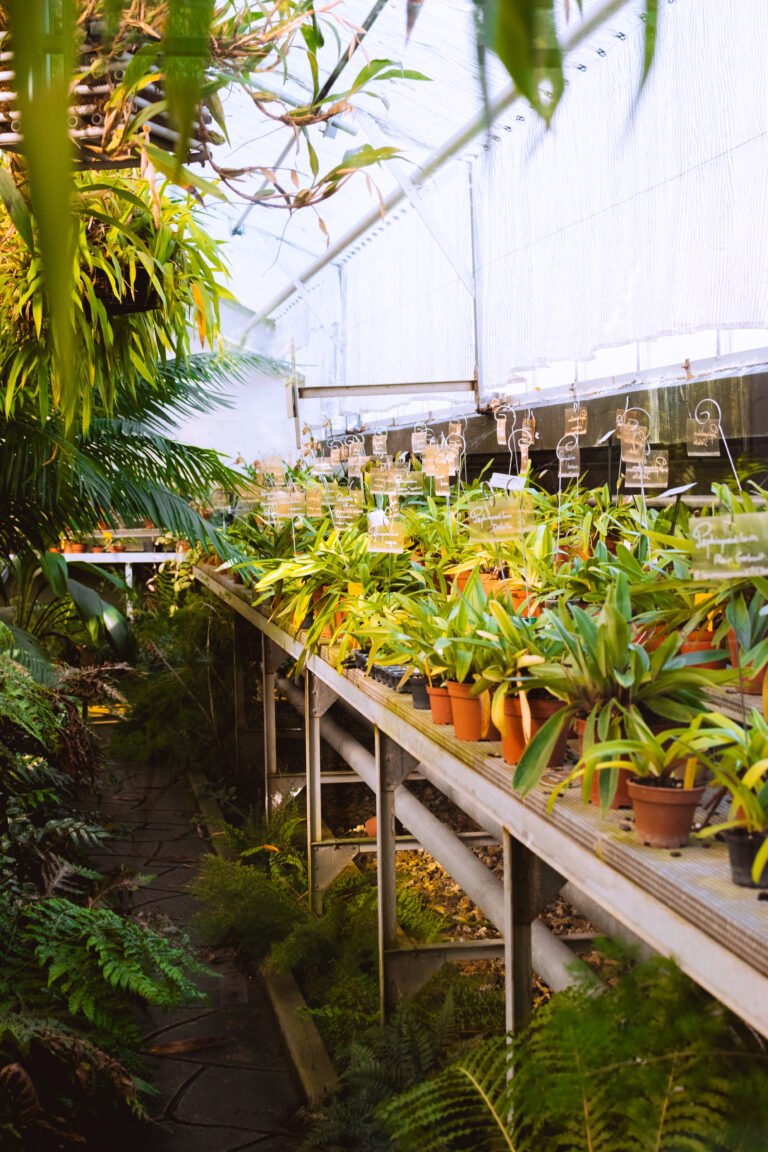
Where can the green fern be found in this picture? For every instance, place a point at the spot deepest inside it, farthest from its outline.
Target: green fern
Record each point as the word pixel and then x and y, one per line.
pixel 90 965
pixel 650 1065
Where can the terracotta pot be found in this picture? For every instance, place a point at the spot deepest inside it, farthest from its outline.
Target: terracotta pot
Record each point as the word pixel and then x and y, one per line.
pixel 621 797
pixel 57 550
pixel 519 598
pixel 663 816
pixel 752 686
pixel 117 547
pixel 440 703
pixel 467 712
pixel 97 548
pixel 743 846
pixel 701 640
pixel 76 546
pixel 651 638
pixel 513 740
pixel 490 584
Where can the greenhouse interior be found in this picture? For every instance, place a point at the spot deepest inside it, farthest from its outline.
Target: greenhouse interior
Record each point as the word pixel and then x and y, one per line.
pixel 384 576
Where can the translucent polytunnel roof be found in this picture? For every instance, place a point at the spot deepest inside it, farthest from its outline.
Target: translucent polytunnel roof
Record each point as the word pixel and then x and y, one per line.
pixel 417 117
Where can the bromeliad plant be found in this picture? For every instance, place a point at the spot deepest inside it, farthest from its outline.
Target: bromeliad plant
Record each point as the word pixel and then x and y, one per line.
pixel 610 681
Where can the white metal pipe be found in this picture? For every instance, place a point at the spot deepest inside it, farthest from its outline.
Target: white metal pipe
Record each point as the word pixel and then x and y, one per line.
pixel 552 959
pixel 455 144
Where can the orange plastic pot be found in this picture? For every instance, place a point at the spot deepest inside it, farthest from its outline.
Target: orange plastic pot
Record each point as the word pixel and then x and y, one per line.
pixel 701 640
pixel 491 585
pixel 752 686
pixel 440 704
pixel 663 816
pixel 513 741
pixel 468 721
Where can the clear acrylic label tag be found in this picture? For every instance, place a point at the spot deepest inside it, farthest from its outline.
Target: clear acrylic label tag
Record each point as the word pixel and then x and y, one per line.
pixel 575 421
pixel 569 461
pixel 418 440
pixel 389 537
pixel 652 472
pixel 702 438
pixel 730 546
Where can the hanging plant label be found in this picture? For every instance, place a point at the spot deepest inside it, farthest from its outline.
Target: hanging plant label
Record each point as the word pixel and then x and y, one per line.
pixel 336 454
pixel 634 438
pixel 652 472
pixel 569 461
pixel 575 420
pixel 442 484
pixel 503 518
pixel 355 449
pixel 529 426
pixel 408 483
pixel 446 461
pixel 385 478
pixel 389 537
pixel 355 466
pixel 702 437
pixel 329 494
pixel 348 507
pixel 418 440
pixel 322 466
pixel 455 428
pixel 730 546
pixel 379 444
pixel 314 502
pixel 501 430
pixel 430 452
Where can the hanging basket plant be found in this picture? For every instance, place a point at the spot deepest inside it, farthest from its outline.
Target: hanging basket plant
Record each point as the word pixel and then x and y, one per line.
pixel 145 279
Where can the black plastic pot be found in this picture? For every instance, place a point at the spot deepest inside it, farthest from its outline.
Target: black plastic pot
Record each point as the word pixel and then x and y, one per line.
pixel 743 846
pixel 419 695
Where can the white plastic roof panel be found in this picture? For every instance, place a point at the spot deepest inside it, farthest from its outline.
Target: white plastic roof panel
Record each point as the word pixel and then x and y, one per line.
pixel 415 116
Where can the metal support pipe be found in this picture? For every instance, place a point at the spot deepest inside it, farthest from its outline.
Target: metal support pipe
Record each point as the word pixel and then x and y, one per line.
pixel 552 959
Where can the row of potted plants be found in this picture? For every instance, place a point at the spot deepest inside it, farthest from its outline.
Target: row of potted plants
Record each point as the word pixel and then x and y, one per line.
pixel 590 624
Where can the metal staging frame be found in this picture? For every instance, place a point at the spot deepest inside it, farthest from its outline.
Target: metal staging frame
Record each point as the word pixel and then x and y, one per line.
pixel 681 904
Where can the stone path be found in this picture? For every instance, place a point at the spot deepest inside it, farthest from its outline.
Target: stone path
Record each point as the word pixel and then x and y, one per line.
pixel 232 1088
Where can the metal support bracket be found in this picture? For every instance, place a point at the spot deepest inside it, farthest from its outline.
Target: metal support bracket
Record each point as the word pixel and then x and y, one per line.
pixel 397 764
pixel 329 861
pixel 409 968
pixel 321 697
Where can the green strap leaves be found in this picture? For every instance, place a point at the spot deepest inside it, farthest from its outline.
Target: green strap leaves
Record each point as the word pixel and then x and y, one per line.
pixel 43 46
pixel 187 50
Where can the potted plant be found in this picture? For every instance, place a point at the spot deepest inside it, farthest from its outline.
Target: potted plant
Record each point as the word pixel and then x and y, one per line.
pixel 741 768
pixel 463 651
pixel 518 710
pixel 746 629
pixel 605 678
pixel 662 770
